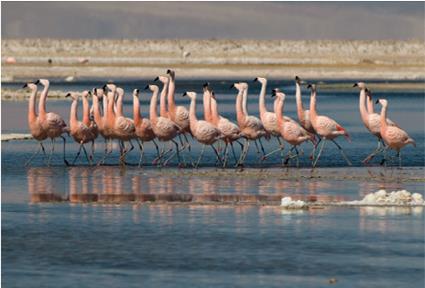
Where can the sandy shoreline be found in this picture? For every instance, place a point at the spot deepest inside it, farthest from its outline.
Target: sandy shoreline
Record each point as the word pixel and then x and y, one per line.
pixel 215 59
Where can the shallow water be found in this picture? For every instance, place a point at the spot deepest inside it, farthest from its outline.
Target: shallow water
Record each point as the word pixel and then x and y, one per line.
pixel 167 245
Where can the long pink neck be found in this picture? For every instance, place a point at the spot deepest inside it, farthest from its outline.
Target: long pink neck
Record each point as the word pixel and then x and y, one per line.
pixel 119 111
pixel 110 114
pixel 300 108
pixel 152 109
pixel 32 114
pixel 86 111
pixel 245 101
pixel 383 117
pixel 279 112
pixel 313 112
pixel 42 103
pixel 73 119
pixel 370 107
pixel 136 110
pixel 171 91
pixel 262 102
pixel 362 107
pixel 162 102
pixel 215 117
pixel 192 114
pixel 105 105
pixel 240 116
pixel 207 106
pixel 96 112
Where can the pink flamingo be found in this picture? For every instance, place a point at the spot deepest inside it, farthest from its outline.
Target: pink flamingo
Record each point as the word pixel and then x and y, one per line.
pixel 53 124
pixel 100 120
pixel 269 119
pixel 230 131
pixel 164 128
pixel 178 114
pixel 250 126
pixel 34 124
pixel 291 131
pixel 394 137
pixel 82 131
pixel 143 126
pixel 325 127
pixel 371 120
pixel 203 131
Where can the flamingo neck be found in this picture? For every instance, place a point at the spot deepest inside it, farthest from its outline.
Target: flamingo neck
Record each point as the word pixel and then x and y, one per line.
pixel 362 107
pixel 279 112
pixel 86 111
pixel 136 110
pixel 383 117
pixel 152 109
pixel 245 100
pixel 119 111
pixel 96 111
pixel 192 114
pixel 262 102
pixel 105 105
pixel 110 114
pixel 370 106
pixel 313 112
pixel 171 91
pixel 162 101
pixel 214 111
pixel 207 106
pixel 32 114
pixel 300 107
pixel 240 116
pixel 73 119
pixel 42 103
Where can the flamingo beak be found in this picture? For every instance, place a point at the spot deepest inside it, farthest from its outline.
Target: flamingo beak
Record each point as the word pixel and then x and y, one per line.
pixel 147 87
pixel 137 91
pixel 206 84
pixel 309 86
pixel 168 71
pixel 377 101
pixel 25 85
pixel 37 82
pixel 232 86
pixel 355 85
pixel 184 94
pixel 68 95
pixel 274 93
pixel 255 80
pixel 156 79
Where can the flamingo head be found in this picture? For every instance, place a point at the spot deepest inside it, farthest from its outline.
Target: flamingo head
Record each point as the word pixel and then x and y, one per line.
pixel 120 91
pixel 30 85
pixel 298 80
pixel 85 94
pixel 171 73
pixel 312 87
pixel 383 102
pixel 190 94
pixel 368 93
pixel 43 82
pixel 73 95
pixel 361 85
pixel 163 79
pixel 153 88
pixel 239 85
pixel 136 92
pixel 278 94
pixel 261 80
pixel 110 87
pixel 98 92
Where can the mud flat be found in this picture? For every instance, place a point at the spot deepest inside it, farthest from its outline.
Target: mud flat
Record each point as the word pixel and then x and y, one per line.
pixel 215 58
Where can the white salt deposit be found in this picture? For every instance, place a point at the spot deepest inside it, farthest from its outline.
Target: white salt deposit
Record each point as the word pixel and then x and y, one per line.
pixel 384 198
pixel 288 203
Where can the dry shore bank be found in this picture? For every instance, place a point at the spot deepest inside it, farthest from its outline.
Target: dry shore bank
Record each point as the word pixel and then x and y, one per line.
pixel 224 59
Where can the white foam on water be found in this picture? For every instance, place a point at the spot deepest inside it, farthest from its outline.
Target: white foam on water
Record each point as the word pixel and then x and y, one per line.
pixel 384 198
pixel 288 203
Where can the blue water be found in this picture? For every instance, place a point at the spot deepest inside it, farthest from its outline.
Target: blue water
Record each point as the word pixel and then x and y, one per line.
pixel 165 245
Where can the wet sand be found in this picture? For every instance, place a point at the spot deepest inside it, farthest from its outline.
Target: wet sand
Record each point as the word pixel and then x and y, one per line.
pixel 216 58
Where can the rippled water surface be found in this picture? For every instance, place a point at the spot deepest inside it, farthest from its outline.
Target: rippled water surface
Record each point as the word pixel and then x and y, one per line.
pixel 57 232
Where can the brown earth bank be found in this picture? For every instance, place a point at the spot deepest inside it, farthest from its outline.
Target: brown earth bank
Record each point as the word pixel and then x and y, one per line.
pixel 215 58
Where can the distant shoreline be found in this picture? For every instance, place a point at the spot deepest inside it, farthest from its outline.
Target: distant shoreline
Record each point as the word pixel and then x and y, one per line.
pixel 224 59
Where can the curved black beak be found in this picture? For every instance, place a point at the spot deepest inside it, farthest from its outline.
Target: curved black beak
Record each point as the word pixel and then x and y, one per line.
pixel 206 84
pixel 255 80
pixel 147 87
pixel 309 86
pixel 90 93
pixel 137 91
pixel 377 101
pixel 297 79
pixel 104 87
pixel 274 92
pixel 232 86
pixel 184 94
pixel 355 85
pixel 25 85
pixel 156 79
pixel 168 71
pixel 37 82
pixel 68 95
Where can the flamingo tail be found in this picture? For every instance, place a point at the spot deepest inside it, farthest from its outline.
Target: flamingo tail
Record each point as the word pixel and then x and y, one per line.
pixel 346 135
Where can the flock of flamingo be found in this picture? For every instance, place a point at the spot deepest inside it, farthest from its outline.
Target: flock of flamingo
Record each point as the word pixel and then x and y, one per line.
pixel 105 117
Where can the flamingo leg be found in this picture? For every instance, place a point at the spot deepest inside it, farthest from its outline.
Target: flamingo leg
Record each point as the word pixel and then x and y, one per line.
pixel 289 155
pixel 342 153
pixel 92 150
pixel 233 152
pixel 125 151
pixel 315 145
pixel 87 156
pixel 33 155
pixel 258 150
pixel 78 154
pixel 399 159
pixel 200 156
pixel 216 153
pixel 177 152
pixel 106 152
pixel 244 153
pixel 374 153
pixel 51 151
pixel 320 153
pixel 281 148
pixel 64 151
pixel 226 155
pixel 142 152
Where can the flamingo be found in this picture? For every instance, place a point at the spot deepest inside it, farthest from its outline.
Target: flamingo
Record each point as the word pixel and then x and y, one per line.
pixel 268 118
pixel 203 131
pixel 371 120
pixel 325 127
pixel 143 126
pixel 53 124
pixel 290 131
pixel 162 99
pixel 82 131
pixel 164 128
pixel 395 137
pixel 178 114
pixel 230 131
pixel 250 126
pixel 88 119
pixel 34 124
